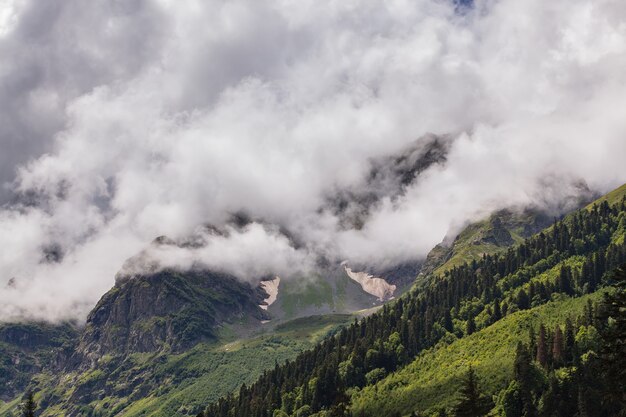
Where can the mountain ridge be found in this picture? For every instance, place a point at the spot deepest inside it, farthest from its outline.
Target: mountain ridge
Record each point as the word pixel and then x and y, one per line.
pixel 571 258
pixel 93 358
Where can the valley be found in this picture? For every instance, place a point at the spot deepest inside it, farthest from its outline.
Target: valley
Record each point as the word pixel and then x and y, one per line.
pixel 170 343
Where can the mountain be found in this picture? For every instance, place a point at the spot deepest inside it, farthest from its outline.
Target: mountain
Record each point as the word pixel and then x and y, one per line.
pixel 503 229
pixel 178 310
pixel 611 198
pixel 495 234
pixel 339 289
pixel 169 342
pixel 160 340
pixel 165 383
pixel 26 349
pixel 431 382
pixel 407 358
pixel 166 325
pixel 389 176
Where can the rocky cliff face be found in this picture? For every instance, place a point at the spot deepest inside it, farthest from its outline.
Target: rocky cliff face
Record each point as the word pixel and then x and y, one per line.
pixel 28 348
pixel 389 177
pixel 151 315
pixel 168 311
pixel 402 275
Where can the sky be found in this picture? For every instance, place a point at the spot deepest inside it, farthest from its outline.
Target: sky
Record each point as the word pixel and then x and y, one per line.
pixel 121 121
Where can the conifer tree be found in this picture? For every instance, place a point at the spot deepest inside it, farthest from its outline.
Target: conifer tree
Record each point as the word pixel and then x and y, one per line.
pixel 471 326
pixel 523 372
pixel 471 402
pixel 532 341
pixel 523 301
pixel 497 313
pixel 613 338
pixel 549 399
pixel 557 346
pixel 569 342
pixel 565 280
pixel 447 321
pixel 29 405
pixel 542 347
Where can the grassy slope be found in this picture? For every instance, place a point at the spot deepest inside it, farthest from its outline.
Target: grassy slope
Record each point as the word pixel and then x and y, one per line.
pixel 6 407
pixel 223 369
pixel 432 380
pixel 181 384
pixel 24 349
pixel 612 197
pixel 465 250
pixel 315 295
pixel 468 244
pixel 218 369
pixel 201 375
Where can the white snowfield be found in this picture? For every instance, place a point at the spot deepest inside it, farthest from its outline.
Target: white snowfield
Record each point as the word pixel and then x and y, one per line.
pixel 378 287
pixel 271 288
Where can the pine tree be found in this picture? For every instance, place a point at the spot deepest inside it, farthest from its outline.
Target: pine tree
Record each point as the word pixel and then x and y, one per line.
pixel 471 326
pixel 613 338
pixel 550 397
pixel 497 313
pixel 471 402
pixel 557 347
pixel 569 342
pixel 532 340
pixel 29 405
pixel 583 408
pixel 523 372
pixel 523 301
pixel 447 321
pixel 565 280
pixel 588 316
pixel 542 347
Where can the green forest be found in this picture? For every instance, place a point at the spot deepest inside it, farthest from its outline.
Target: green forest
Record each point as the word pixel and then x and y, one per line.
pixel 535 331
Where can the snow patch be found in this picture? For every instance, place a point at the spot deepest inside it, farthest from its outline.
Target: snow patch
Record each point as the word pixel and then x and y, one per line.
pixel 378 287
pixel 271 288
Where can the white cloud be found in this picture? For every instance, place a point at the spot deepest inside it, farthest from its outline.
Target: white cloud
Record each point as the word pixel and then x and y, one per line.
pixel 151 118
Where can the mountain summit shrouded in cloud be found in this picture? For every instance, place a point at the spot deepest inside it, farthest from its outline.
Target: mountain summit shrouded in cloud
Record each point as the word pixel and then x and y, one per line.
pixel 124 121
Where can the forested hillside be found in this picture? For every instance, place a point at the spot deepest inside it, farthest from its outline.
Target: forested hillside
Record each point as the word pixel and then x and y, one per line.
pixel 485 299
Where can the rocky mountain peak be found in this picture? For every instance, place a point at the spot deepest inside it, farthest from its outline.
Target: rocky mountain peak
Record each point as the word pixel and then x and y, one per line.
pixel 167 311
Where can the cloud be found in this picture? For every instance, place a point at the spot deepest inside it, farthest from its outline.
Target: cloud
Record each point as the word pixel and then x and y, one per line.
pixel 252 252
pixel 53 53
pixel 123 121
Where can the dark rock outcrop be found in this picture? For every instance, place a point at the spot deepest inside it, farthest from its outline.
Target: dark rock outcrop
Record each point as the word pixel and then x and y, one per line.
pixel 496 234
pixel 29 348
pixel 166 311
pixel 389 177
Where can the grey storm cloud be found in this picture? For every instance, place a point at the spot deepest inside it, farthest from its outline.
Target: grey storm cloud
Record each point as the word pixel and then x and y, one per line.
pixel 121 121
pixel 55 51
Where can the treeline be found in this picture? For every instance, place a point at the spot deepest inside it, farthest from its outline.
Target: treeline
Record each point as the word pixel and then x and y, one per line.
pixel 575 370
pixel 462 301
pixel 578 369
